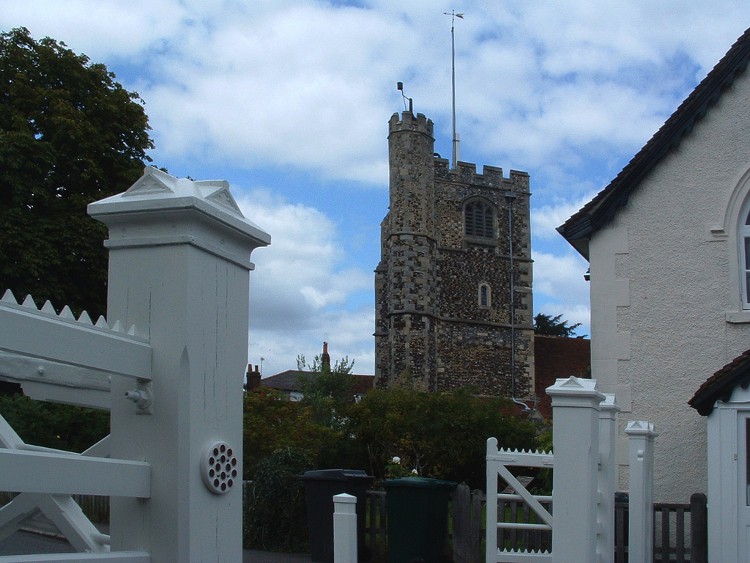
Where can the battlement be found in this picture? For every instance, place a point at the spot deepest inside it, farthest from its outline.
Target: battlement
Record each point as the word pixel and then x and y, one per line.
pixel 491 176
pixel 408 122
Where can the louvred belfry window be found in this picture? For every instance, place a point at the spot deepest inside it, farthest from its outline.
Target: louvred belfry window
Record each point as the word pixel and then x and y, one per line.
pixel 479 220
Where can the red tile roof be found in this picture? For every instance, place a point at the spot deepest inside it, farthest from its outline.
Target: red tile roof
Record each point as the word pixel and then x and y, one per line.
pixel 720 385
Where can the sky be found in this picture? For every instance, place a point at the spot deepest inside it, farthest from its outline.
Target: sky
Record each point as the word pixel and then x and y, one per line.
pixel 289 101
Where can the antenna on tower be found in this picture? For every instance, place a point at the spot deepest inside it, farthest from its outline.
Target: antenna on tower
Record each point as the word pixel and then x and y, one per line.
pixel 453 14
pixel 400 88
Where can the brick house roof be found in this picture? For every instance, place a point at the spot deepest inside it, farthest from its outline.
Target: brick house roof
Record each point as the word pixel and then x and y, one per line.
pixel 602 208
pixel 557 356
pixel 720 385
pixel 554 356
pixel 289 380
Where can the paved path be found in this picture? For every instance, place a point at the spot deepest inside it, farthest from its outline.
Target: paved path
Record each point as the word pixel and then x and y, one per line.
pixel 267 557
pixel 27 543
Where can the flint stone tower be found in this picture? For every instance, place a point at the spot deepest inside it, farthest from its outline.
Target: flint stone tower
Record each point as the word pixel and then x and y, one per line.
pixel 447 314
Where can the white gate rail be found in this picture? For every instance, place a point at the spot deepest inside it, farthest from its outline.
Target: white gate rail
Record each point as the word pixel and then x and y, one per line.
pixel 67 359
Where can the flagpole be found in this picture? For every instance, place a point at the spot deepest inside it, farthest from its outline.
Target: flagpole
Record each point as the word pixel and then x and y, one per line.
pixel 453 15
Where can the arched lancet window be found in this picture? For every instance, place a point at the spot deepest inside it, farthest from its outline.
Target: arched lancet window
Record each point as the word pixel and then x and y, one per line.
pixel 485 296
pixel 479 220
pixel 743 233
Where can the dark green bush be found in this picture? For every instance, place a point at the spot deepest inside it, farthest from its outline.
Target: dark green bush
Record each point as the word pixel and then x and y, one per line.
pixel 274 504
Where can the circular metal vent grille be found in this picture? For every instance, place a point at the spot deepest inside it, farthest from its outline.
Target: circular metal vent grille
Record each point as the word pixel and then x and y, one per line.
pixel 219 468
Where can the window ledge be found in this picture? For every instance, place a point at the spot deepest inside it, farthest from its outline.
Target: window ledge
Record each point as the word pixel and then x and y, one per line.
pixel 738 317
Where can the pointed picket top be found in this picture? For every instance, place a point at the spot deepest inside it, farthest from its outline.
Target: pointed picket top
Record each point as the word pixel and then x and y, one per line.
pixel 117 327
pixel 48 308
pixel 101 322
pixel 66 313
pixel 29 303
pixel 8 297
pixel 84 318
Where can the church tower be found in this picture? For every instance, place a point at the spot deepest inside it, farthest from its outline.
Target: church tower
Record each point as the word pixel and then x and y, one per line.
pixel 453 286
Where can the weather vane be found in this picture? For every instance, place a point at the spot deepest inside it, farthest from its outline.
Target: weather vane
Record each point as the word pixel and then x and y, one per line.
pixel 453 14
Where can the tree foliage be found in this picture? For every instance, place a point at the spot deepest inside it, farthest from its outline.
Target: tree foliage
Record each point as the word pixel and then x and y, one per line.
pixel 69 135
pixel 272 423
pixel 275 517
pixel 438 434
pixel 327 390
pixel 63 427
pixel 554 326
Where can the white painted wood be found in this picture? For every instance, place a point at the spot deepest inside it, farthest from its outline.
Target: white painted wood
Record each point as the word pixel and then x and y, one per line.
pixel 575 434
pixel 113 557
pixel 96 351
pixel 522 557
pixel 491 551
pixel 743 484
pixel 179 262
pixel 344 528
pixel 68 517
pixel 497 460
pixel 41 472
pixel 641 437
pixel 605 540
pixel 12 514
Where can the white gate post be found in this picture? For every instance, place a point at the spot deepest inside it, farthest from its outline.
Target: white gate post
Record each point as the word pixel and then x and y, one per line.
pixel 641 436
pixel 575 435
pixel 607 479
pixel 179 257
pixel 344 528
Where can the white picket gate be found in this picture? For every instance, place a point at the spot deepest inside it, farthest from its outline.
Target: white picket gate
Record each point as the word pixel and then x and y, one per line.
pixel 582 517
pixel 178 279
pixel 498 462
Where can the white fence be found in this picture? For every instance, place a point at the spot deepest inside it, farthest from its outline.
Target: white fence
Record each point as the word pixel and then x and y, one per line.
pixel 582 518
pixel 172 380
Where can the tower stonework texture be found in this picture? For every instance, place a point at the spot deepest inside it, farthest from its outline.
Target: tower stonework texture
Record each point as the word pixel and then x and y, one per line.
pixel 453 286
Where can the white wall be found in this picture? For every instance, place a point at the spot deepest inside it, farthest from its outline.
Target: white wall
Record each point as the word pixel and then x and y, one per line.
pixel 662 290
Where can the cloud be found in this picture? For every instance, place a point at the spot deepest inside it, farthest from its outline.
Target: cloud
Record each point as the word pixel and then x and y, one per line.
pixel 299 291
pixel 303 89
pixel 559 287
pixel 546 218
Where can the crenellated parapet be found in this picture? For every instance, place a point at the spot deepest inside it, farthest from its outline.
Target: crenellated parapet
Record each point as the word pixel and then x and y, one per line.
pixel 409 122
pixel 491 176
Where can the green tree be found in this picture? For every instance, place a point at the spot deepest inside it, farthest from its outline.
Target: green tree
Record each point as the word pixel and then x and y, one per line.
pixel 554 326
pixel 327 390
pixel 69 135
pixel 272 422
pixel 437 434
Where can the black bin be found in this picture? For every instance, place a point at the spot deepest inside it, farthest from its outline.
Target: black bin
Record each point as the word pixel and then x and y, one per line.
pixel 417 516
pixel 320 487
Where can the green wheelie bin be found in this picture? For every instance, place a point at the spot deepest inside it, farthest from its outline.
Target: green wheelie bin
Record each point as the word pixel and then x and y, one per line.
pixel 417 519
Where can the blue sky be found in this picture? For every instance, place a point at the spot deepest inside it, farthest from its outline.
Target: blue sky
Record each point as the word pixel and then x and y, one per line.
pixel 289 101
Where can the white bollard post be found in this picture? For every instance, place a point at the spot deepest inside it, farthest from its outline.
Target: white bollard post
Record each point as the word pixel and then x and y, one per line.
pixel 179 262
pixel 575 435
pixel 344 528
pixel 641 437
pixel 607 479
